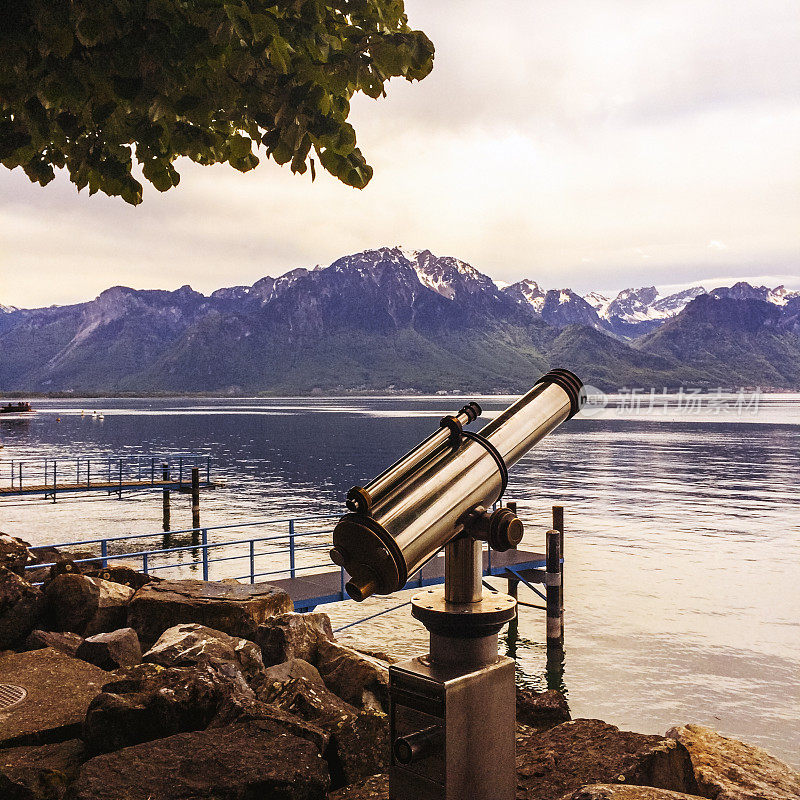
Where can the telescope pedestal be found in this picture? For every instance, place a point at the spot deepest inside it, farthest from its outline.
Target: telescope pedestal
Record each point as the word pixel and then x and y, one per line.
pixel 457 726
pixel 453 712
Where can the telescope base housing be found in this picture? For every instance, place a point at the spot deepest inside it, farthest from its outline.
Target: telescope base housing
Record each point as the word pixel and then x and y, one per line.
pixel 452 730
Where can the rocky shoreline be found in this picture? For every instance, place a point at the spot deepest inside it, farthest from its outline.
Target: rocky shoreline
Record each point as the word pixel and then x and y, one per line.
pixel 137 688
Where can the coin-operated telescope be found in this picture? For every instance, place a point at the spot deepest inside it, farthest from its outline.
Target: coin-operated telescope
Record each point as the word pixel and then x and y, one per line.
pixel 453 711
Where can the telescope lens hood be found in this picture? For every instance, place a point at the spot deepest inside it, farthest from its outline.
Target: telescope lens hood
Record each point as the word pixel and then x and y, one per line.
pixel 571 384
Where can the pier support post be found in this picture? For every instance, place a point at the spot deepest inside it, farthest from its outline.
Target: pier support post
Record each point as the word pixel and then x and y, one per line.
pixel 165 495
pixel 555 611
pixel 195 497
pixel 558 525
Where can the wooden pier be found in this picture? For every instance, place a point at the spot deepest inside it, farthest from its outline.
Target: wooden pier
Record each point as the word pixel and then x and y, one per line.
pixel 309 591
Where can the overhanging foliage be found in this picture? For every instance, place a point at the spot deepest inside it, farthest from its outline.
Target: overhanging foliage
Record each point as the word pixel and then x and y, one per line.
pixel 91 85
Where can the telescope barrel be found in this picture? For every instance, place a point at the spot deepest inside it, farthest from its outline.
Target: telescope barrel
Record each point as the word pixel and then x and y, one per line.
pixel 428 501
pixel 361 499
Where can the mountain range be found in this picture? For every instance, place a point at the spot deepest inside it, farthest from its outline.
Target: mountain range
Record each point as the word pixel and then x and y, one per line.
pixel 398 320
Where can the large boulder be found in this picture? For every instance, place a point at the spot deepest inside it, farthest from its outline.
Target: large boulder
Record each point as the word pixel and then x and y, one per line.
pixel 235 609
pixel 727 769
pixel 248 709
pixel 150 701
pixel 66 642
pixel 120 573
pixel 359 739
pixel 40 773
pixel 21 607
pixel 359 747
pixel 553 763
pixel 13 554
pixel 601 791
pixel 292 635
pixel 376 787
pixel 541 709
pixel 86 605
pixel 273 678
pixel 309 701
pixel 190 643
pixel 360 680
pixel 111 650
pixel 239 762
pixel 59 690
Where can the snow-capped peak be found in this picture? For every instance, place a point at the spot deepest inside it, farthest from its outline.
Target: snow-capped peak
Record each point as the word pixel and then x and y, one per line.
pixel 447 275
pixel 527 291
pixel 6 309
pixel 780 295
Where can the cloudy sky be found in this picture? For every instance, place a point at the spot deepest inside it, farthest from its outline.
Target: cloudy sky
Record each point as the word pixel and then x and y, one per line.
pixel 595 144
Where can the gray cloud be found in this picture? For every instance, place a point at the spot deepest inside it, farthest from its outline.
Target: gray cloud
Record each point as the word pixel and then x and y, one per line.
pixel 591 143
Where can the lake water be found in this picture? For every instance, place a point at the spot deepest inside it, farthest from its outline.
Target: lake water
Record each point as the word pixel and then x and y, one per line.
pixel 682 546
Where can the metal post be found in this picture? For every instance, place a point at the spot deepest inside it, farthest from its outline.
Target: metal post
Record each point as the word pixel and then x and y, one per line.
pixel 252 561
pixel 341 584
pixel 12 473
pixel 88 473
pixel 195 497
pixel 20 474
pixel 292 570
pixel 165 495
pixel 55 479
pixel 204 545
pixel 104 553
pixel 120 479
pixel 555 613
pixel 558 525
pixel 144 563
pixel 208 470
pixel 180 470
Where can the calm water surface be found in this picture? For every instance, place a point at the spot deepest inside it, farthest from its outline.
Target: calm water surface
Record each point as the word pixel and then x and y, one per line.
pixel 682 549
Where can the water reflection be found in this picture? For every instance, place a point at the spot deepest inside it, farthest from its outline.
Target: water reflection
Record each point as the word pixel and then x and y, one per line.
pixel 682 598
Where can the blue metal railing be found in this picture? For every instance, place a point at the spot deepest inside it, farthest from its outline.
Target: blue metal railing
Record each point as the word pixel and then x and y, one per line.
pixel 292 545
pixel 92 471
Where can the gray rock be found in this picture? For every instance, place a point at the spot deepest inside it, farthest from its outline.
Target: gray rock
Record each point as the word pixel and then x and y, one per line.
pixel 13 554
pixel 274 677
pixel 111 650
pixel 309 701
pixel 356 678
pixel 119 573
pixel 287 636
pixel 727 769
pixel 21 608
pixel 87 605
pixel 359 739
pixel 149 701
pixel 40 773
pixel 243 761
pixel 541 709
pixel 65 642
pixel 600 791
pixel 59 690
pixel 247 709
pixel 190 643
pixel 237 609
pixel 375 787
pixel 359 747
pixel 553 763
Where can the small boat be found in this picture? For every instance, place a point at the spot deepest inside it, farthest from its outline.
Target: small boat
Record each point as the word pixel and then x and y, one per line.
pixel 16 408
